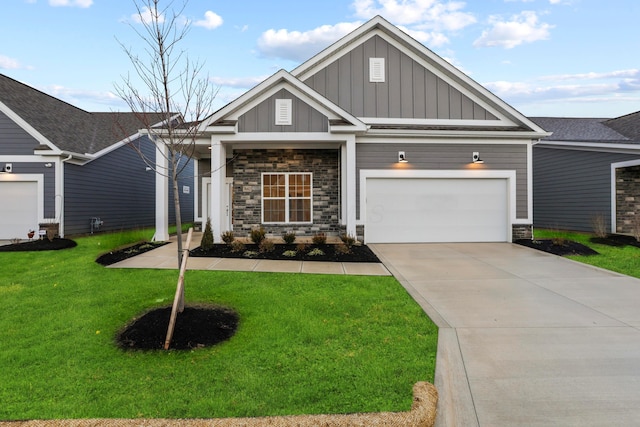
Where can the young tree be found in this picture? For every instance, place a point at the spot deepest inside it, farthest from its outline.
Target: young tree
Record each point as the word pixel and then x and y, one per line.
pixel 168 88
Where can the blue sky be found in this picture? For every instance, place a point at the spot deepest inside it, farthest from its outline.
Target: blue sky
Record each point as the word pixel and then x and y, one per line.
pixel 570 58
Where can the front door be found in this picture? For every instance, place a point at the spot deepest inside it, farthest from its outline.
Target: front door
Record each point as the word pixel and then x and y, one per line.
pixel 228 197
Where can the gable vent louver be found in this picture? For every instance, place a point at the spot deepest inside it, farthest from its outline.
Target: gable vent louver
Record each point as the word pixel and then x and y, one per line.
pixel 283 112
pixel 376 70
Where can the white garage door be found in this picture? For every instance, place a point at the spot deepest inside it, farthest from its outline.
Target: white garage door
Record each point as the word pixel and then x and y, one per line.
pixel 403 210
pixel 18 209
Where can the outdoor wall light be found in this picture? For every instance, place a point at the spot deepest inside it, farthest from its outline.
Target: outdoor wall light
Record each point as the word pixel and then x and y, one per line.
pixel 402 158
pixel 48 165
pixel 476 157
pixel 8 168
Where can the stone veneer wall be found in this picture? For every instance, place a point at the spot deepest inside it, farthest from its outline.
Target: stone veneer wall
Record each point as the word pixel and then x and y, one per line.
pixel 627 199
pixel 521 231
pixel 248 167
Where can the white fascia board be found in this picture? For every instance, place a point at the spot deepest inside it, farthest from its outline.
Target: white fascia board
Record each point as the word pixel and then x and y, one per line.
pixel 529 136
pixel 28 128
pixel 303 137
pixel 451 140
pixel 433 122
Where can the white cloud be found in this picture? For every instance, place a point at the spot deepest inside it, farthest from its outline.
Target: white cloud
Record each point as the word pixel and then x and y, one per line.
pixel 297 45
pixel 73 96
pixel 211 20
pixel 7 63
pixel 146 16
pixel 521 28
pixel 587 87
pixel 432 38
pixel 424 14
pixel 72 3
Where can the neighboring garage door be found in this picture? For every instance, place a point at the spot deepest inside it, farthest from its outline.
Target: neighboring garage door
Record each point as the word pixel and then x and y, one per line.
pixel 404 210
pixel 18 209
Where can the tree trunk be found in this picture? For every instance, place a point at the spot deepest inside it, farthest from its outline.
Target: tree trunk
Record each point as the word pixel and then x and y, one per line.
pixel 176 203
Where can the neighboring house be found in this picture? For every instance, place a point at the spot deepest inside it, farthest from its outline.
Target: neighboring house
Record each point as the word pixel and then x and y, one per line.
pixel 373 136
pixel 588 170
pixel 60 164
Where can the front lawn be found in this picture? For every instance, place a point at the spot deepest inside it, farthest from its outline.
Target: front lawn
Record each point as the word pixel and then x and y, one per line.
pixel 306 344
pixel 625 259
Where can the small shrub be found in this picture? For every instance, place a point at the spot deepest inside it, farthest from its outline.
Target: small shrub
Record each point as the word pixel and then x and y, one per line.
pixel 267 245
pixel 257 235
pixel 319 239
pixel 237 246
pixel 250 254
pixel 207 237
pixel 558 240
pixel 316 252
pixel 348 240
pixel 289 237
pixel 289 254
pixel 343 249
pixel 228 237
pixel 302 247
pixel 599 225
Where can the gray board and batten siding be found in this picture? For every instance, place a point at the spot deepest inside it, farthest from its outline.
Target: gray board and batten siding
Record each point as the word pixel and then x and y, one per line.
pixel 572 187
pixel 409 91
pixel 304 117
pixel 449 157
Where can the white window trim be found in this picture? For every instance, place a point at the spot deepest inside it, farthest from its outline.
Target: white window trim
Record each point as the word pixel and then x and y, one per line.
pixel 283 112
pixel 376 70
pixel 286 198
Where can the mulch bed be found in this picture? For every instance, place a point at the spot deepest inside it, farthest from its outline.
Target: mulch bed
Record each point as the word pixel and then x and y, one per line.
pixel 39 245
pixel 616 240
pixel 121 254
pixel 557 247
pixel 359 253
pixel 196 327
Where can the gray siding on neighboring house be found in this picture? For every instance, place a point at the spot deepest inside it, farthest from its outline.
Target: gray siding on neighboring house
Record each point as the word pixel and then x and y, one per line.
pixel 119 190
pixel 262 117
pixel 572 187
pixel 38 168
pixel 409 90
pixel 448 157
pixel 14 141
pixel 186 200
pixel 115 188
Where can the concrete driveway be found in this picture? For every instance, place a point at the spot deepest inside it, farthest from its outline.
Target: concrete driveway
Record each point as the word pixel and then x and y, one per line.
pixel 526 338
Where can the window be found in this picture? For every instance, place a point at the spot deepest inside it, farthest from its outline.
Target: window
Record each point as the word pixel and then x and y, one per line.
pixel 283 112
pixel 376 70
pixel 286 197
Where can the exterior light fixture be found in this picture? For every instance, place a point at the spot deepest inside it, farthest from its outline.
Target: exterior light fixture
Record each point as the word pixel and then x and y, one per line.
pixel 476 157
pixel 8 168
pixel 48 165
pixel 402 158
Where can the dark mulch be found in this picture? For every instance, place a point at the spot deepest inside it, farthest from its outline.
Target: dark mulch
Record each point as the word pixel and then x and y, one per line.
pixel 121 254
pixel 616 240
pixel 360 253
pixel 561 248
pixel 39 245
pixel 196 327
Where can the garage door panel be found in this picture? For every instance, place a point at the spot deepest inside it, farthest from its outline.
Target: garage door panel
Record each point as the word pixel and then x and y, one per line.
pixel 19 209
pixel 436 210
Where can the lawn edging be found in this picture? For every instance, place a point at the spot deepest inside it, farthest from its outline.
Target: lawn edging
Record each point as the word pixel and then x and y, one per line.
pixel 422 414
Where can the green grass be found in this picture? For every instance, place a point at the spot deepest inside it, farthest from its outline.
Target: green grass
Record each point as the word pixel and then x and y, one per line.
pixel 306 344
pixel 625 260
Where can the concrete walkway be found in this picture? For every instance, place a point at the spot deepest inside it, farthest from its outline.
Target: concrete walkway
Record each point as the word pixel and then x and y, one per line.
pixel 167 257
pixel 526 338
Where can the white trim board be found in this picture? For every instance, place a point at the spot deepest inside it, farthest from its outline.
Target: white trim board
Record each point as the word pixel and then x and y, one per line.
pixel 614 189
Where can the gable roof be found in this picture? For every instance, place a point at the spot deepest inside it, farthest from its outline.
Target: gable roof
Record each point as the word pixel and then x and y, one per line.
pixel 508 117
pixel 226 118
pixel 61 126
pixel 628 125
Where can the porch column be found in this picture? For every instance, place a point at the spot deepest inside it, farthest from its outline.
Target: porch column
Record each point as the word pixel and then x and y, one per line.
pixel 351 184
pixel 162 193
pixel 218 174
